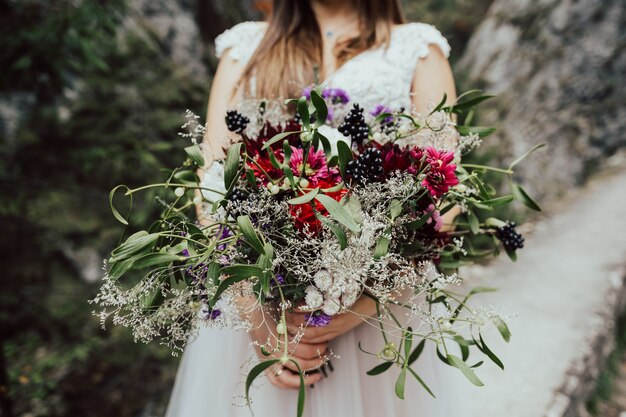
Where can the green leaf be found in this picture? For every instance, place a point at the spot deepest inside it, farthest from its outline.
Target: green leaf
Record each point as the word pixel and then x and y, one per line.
pixel 231 166
pixel 325 144
pixel 133 245
pixel 304 198
pixel 321 110
pixel 498 201
pixel 408 342
pixel 255 372
pixel 502 328
pixel 400 382
pixel 395 208
pixel 116 213
pixel 416 224
pixel 525 154
pixel 473 222
pixel 337 212
pixel 152 259
pixel 379 369
pixel 237 273
pixel 301 394
pixel 422 383
pixel 472 102
pixel 245 225
pixel 479 130
pixel 303 111
pixel 521 196
pixel 465 369
pixel 485 349
pixel 336 229
pixel 118 268
pixel 195 154
pixel 382 247
pixel 441 104
pixel 278 137
pixel 478 290
pixel 417 352
pixel 345 156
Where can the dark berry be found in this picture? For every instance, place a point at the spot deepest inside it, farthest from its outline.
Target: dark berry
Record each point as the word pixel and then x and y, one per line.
pixel 235 121
pixel 354 125
pixel 368 167
pixel 238 195
pixel 510 238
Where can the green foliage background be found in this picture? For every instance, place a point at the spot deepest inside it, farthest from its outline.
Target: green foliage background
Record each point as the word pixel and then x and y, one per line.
pixel 100 105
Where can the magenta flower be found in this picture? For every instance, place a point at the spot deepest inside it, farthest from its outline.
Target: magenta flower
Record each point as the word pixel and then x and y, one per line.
pixel 440 175
pixel 315 169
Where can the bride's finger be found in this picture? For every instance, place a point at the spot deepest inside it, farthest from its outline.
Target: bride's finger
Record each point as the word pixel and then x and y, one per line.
pixel 310 351
pixel 291 380
pixel 306 364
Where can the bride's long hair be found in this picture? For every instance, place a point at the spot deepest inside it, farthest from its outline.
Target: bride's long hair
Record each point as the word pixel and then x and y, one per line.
pixel 292 45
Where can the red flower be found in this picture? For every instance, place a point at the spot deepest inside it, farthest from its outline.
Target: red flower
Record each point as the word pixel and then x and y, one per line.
pixel 440 176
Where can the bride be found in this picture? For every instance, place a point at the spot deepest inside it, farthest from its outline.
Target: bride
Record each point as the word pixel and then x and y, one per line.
pixel 365 48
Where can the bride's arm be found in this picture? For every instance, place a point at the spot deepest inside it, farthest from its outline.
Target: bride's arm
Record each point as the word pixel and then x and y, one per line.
pixel 432 78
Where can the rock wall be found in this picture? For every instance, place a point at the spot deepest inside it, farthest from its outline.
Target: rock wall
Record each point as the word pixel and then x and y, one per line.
pixel 559 70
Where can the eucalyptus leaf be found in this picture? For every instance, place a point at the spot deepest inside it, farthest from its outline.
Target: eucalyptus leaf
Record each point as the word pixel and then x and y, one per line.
pixel 465 369
pixel 250 235
pixel 337 212
pixel 231 166
pixel 520 195
pixel 400 382
pixel 195 154
pixel 379 369
pixel 304 198
pixel 321 110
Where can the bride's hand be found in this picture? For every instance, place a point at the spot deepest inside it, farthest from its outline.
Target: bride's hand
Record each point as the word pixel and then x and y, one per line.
pixel 309 356
pixel 364 308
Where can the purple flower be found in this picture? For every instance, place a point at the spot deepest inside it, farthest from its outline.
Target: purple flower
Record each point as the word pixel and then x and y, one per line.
pixel 185 253
pixel 317 319
pixel 223 233
pixel 380 109
pixel 277 280
pixel 210 313
pixel 336 95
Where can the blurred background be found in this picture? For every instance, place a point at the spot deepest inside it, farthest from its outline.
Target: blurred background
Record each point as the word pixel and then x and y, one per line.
pixel 93 93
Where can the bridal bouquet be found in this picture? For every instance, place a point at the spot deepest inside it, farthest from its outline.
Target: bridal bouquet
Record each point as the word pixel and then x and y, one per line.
pixel 312 212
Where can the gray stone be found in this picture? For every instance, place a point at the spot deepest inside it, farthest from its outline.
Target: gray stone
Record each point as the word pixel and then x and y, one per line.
pixel 559 70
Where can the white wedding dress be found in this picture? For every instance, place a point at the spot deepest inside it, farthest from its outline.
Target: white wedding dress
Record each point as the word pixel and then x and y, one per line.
pixel 213 367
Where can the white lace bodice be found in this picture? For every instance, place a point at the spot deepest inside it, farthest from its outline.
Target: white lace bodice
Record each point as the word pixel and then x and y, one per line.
pixel 380 76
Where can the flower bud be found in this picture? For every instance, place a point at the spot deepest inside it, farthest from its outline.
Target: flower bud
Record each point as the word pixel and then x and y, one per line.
pixel 304 183
pixel 179 192
pixel 274 189
pixel 197 200
pixel 306 137
pixel 281 328
pixel 403 130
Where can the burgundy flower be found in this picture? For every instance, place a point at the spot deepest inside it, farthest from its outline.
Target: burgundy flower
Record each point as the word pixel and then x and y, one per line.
pixel 440 176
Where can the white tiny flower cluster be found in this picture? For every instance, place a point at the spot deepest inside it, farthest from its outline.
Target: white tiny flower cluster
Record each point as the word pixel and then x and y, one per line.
pixel 192 129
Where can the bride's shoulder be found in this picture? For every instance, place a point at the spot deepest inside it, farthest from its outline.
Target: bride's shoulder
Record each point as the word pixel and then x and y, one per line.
pixel 241 40
pixel 418 37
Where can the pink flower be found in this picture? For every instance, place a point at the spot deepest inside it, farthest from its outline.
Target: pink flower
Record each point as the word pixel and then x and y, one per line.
pixel 440 175
pixel 435 217
pixel 316 169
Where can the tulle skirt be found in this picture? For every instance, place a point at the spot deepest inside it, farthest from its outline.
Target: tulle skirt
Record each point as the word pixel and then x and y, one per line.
pixel 210 382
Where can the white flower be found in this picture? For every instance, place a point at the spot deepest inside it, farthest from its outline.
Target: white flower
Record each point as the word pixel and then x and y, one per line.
pixel 323 280
pixel 333 136
pixel 331 306
pixel 313 297
pixel 214 181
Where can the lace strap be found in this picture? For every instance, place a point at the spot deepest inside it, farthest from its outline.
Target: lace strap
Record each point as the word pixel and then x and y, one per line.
pixel 241 40
pixel 411 42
